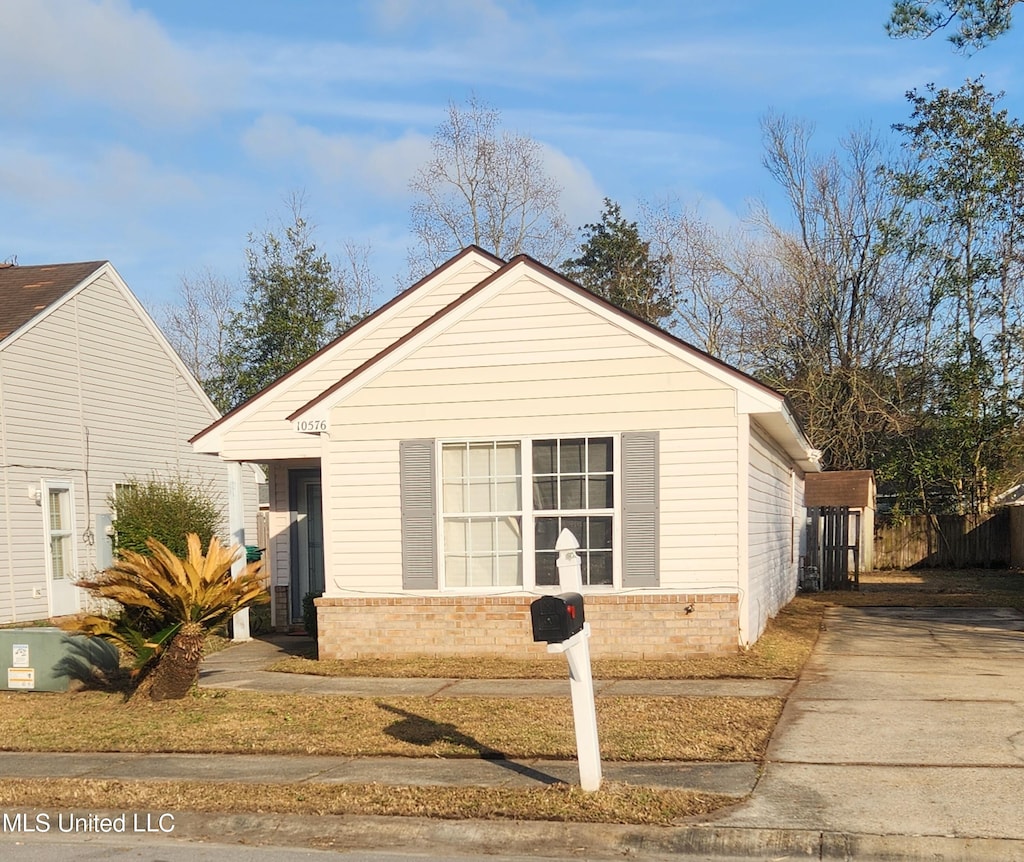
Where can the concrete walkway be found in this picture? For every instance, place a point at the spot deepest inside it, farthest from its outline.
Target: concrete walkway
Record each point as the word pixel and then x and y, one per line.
pixel 903 739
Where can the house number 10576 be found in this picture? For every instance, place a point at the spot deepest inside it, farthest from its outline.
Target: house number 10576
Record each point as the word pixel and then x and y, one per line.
pixel 311 425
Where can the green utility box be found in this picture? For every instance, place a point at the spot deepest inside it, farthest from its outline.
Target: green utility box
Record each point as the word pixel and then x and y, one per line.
pixel 48 659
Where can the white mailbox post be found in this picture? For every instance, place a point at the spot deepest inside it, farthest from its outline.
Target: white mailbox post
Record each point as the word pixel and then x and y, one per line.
pixel 581 679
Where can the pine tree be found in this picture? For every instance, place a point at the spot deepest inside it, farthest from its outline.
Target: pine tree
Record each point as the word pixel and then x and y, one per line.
pixel 615 263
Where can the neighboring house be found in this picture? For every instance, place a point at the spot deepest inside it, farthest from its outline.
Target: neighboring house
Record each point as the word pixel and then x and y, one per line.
pixel 91 394
pixel 422 465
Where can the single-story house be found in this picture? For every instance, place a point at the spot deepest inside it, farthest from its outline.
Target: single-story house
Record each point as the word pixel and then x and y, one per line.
pixel 422 466
pixel 91 395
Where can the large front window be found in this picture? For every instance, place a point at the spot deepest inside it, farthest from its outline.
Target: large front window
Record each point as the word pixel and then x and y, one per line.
pixel 482 506
pixel 569 483
pixel 573 488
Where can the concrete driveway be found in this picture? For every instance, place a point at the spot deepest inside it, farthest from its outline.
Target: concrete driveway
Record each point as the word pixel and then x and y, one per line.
pixel 905 722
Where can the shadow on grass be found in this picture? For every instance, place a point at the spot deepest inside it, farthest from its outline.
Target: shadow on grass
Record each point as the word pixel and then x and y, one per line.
pixel 420 730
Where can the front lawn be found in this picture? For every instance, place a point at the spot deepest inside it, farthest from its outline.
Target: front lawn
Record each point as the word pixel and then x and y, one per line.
pixel 631 728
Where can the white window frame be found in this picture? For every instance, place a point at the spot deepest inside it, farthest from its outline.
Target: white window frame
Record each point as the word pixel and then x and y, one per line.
pixel 528 513
pixel 584 511
pixel 115 488
pixel 61 486
pixel 469 514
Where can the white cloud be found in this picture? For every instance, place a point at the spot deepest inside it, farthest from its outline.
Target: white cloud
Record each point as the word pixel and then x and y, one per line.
pixel 581 196
pixel 33 180
pixel 104 52
pixel 127 176
pixel 107 182
pixel 382 166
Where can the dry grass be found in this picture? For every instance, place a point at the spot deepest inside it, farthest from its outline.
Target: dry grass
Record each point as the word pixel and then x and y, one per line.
pixel 973 588
pixel 631 728
pixel 780 653
pixel 614 803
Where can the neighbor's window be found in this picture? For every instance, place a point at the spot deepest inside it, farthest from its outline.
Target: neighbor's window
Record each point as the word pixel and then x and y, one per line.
pixel 482 513
pixel 58 532
pixel 573 488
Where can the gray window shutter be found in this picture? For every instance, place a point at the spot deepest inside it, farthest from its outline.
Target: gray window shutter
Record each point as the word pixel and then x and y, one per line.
pixel 419 515
pixel 640 509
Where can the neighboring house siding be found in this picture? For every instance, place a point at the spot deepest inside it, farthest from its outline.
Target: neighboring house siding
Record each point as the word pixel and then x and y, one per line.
pixel 775 503
pixel 90 396
pixel 266 425
pixel 565 371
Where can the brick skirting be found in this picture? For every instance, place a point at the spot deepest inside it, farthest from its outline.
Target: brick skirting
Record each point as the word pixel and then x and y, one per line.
pixel 282 618
pixel 630 626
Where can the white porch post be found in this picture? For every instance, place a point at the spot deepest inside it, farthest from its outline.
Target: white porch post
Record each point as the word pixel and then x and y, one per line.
pixel 581 679
pixel 236 526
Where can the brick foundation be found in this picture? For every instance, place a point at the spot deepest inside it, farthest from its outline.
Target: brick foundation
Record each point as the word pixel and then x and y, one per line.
pixel 282 618
pixel 633 626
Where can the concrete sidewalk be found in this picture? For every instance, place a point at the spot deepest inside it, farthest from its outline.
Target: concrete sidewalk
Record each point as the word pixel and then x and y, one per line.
pixel 903 739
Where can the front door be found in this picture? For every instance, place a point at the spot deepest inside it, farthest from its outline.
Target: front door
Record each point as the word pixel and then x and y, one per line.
pixel 61 569
pixel 308 538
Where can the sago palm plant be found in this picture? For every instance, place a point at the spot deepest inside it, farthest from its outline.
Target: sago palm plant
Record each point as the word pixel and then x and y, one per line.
pixel 170 604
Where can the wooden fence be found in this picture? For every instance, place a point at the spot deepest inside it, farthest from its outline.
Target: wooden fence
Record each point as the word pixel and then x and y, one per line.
pixel 946 541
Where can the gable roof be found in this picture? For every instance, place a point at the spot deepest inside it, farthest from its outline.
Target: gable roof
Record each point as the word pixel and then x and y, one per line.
pixel 26 291
pixel 610 309
pixel 29 293
pixel 755 398
pixel 339 344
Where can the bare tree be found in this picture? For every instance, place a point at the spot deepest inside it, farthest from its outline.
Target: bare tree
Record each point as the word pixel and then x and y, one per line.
pixel 197 325
pixel 358 283
pixel 488 187
pixel 836 319
pixel 705 272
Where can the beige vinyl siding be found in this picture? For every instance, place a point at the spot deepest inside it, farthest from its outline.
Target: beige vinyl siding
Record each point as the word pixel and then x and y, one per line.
pixel 279 553
pixel 565 370
pixel 91 395
pixel 268 426
pixel 773 503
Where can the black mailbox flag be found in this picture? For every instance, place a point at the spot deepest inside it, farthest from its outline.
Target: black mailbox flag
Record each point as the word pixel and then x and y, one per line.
pixel 557 618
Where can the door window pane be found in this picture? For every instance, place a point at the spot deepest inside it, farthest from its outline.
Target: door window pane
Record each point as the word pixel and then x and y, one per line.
pixel 59 534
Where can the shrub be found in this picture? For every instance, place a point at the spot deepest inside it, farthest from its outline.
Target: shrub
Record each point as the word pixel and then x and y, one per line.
pixel 165 509
pixel 309 613
pixel 180 600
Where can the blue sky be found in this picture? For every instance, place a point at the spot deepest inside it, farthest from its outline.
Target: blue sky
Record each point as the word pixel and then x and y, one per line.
pixel 159 133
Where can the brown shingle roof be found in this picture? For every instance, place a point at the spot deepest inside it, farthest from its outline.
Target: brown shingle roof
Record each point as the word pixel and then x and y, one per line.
pixel 27 290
